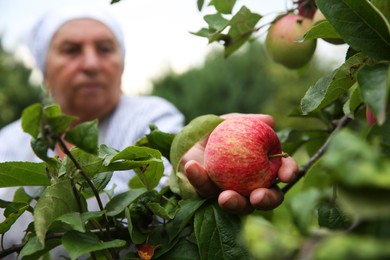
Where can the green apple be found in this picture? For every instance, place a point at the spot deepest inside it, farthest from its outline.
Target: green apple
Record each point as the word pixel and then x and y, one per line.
pixel 282 41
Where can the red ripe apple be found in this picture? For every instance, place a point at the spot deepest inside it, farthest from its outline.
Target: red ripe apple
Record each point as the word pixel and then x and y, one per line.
pixel 282 41
pixel 239 154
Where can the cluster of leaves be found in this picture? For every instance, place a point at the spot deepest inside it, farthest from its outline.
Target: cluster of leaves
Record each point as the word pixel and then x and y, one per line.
pixel 339 209
pixel 158 222
pixel 16 92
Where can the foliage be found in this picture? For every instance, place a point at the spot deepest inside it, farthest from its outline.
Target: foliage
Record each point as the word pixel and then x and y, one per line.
pixel 15 91
pixel 246 82
pixel 337 207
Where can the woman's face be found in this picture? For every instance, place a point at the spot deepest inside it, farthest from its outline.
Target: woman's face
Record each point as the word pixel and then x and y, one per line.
pixel 83 70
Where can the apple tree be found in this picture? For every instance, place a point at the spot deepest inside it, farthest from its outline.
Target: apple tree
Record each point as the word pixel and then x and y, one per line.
pixel 337 207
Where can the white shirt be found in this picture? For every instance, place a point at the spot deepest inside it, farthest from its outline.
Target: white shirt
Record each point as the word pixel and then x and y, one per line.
pixel 129 122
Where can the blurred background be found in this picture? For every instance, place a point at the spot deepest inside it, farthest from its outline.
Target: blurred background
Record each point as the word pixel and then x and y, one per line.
pixel 163 58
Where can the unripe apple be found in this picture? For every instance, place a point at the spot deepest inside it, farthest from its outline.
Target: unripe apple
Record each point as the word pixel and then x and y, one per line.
pixel 242 154
pixel 282 41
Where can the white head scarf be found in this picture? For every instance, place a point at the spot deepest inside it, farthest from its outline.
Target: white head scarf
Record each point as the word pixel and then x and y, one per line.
pixel 44 30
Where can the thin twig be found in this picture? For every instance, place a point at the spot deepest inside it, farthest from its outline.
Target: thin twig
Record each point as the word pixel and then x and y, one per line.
pixel 304 168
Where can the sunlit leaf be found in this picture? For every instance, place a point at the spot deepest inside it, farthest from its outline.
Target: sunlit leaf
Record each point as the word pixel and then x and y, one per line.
pixel 330 87
pixel 242 26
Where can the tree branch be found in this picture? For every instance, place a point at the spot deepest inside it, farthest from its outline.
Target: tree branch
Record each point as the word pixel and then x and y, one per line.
pixel 304 168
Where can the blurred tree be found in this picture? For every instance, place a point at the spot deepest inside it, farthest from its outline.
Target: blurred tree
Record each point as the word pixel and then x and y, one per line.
pixel 16 91
pixel 246 82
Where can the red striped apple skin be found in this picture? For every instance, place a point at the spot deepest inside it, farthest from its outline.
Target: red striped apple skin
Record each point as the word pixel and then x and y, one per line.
pixel 236 156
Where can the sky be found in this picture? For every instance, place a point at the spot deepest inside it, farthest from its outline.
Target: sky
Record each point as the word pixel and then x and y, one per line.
pixel 157 33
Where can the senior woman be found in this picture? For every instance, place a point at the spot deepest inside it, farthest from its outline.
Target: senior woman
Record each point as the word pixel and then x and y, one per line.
pixel 80 52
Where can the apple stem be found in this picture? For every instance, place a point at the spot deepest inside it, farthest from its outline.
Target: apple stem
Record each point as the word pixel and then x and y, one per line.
pixel 284 155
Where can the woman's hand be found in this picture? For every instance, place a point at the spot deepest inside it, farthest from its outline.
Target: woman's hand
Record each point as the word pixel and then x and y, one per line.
pixel 261 198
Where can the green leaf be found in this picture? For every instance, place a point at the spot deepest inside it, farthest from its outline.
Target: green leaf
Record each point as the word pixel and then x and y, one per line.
pixel 374 82
pixel 192 133
pixel 332 86
pixel 200 4
pixel 146 162
pixel 360 25
pixel 242 25
pixel 216 24
pixel 183 250
pixel 84 136
pixel 331 217
pixel 118 203
pixel 17 210
pixel 302 208
pixel 183 217
pixel 265 240
pixel 381 133
pixel 158 140
pixel 224 6
pixel 57 122
pixel 86 243
pixel 322 29
pixel 364 202
pixel 23 174
pixel 31 119
pixel 216 233
pixel 352 246
pixel 33 249
pixel 353 162
pixel 354 101
pixel 57 200
pixel 136 235
pixel 74 220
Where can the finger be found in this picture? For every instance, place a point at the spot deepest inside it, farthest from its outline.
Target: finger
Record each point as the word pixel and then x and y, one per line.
pixel 269 120
pixel 266 199
pixel 233 202
pixel 288 170
pixel 199 178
